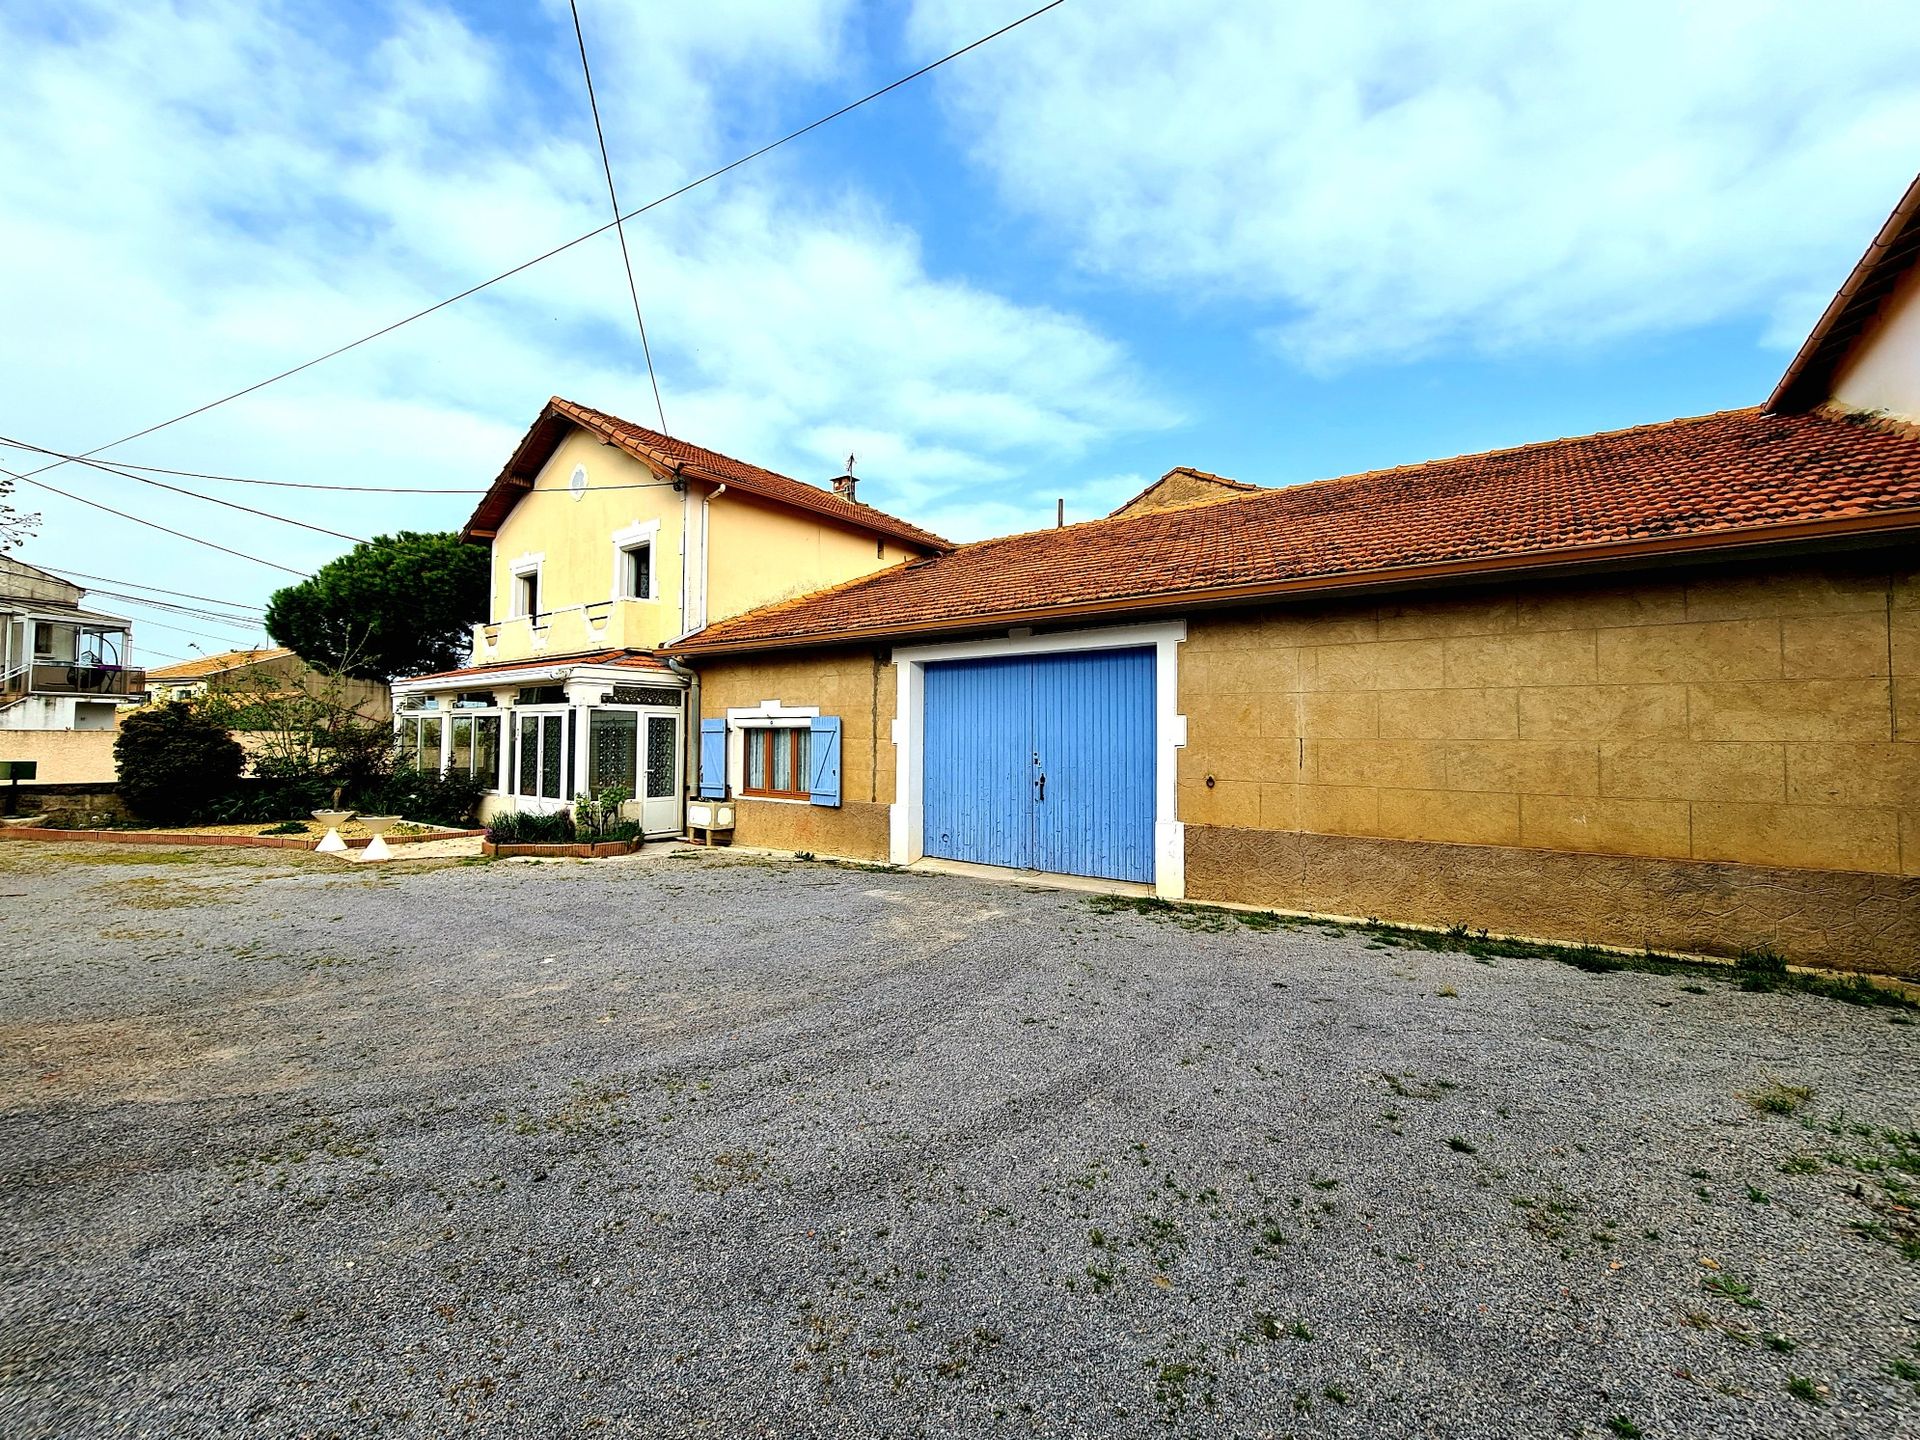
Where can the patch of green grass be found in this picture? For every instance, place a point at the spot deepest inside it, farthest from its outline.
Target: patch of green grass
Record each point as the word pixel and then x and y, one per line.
pixel 1730 1287
pixel 1801 1388
pixel 1800 1165
pixel 1776 1097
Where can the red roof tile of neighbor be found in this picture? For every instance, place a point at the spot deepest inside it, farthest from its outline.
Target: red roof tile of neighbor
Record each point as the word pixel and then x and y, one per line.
pixel 618 659
pixel 1736 477
pixel 672 456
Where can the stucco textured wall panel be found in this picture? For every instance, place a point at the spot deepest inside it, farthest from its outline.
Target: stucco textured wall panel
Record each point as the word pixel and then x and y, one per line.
pixel 856 831
pixel 1767 716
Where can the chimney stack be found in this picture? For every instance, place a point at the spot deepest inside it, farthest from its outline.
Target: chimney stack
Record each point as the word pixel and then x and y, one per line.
pixel 843 485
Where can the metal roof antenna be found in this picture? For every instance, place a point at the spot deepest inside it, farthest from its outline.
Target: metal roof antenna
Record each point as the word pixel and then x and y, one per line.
pixel 844 485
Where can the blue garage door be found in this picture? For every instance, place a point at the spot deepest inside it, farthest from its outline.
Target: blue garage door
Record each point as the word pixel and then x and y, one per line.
pixel 1042 763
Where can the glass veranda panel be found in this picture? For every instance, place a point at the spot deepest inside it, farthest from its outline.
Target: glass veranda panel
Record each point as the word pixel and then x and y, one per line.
pixel 613 739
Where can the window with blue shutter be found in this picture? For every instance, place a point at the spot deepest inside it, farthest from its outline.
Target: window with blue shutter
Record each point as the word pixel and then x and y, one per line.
pixel 825 747
pixel 713 759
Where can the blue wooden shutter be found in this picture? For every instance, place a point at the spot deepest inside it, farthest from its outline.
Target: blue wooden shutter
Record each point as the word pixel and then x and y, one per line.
pixel 825 789
pixel 713 759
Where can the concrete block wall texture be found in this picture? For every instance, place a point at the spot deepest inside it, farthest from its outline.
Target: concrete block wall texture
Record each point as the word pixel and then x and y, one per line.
pixel 1708 733
pixel 1764 717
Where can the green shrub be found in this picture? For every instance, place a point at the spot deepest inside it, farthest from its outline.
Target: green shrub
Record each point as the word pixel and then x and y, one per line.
pixel 423 795
pixel 529 829
pixel 175 763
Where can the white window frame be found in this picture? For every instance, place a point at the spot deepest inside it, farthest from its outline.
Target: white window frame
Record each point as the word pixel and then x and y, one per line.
pixel 767 715
pixel 625 542
pixel 907 816
pixel 526 566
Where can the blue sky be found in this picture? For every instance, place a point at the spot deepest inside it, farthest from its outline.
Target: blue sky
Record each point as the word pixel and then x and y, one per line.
pixel 1274 241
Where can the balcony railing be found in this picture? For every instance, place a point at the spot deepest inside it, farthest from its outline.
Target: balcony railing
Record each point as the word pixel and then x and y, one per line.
pixel 61 678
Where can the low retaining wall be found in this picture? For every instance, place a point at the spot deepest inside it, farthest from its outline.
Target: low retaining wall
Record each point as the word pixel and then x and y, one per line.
pixel 258 842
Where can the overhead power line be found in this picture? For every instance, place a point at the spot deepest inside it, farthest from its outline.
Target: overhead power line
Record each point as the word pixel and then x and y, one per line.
pixel 168 607
pixel 619 227
pixel 507 274
pixel 225 640
pixel 250 480
pixel 155 525
pixel 112 469
pixel 140 585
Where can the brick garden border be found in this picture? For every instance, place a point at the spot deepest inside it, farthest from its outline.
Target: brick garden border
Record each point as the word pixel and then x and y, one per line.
pixel 561 849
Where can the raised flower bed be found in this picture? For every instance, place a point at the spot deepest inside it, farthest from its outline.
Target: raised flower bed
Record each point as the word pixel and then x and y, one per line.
pixel 560 849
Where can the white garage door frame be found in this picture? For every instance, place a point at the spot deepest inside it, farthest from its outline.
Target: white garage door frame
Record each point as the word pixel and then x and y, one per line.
pixel 906 841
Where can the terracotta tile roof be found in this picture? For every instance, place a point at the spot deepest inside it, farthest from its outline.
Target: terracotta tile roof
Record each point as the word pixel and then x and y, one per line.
pixel 1739 476
pixel 618 659
pixel 215 664
pixel 678 456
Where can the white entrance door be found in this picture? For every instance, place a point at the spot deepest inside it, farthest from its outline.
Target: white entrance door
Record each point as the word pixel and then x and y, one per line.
pixel 661 769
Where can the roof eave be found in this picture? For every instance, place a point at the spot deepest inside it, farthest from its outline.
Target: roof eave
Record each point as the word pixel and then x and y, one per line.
pixel 1804 369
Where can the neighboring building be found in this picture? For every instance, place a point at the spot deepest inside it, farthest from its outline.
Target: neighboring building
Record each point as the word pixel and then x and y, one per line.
pixel 267 673
pixel 1659 686
pixel 609 542
pixel 1183 485
pixel 66 672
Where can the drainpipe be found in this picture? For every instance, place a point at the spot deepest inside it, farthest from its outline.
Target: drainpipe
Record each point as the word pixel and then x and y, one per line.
pixel 690 727
pixel 706 548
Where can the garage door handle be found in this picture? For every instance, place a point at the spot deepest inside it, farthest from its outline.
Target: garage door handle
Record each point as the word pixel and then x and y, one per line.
pixel 1042 783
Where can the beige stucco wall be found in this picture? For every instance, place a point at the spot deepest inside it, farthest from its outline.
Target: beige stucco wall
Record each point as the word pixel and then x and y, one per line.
pixel 852 684
pixel 1884 371
pixel 1760 717
pixel 760 553
pixel 66 757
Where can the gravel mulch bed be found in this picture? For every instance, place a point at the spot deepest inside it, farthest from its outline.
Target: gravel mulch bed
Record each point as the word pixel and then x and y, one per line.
pixel 696 1144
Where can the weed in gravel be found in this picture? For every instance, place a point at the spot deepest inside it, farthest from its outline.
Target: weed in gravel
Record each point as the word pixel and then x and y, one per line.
pixel 1901 1368
pixel 1778 1343
pixel 1337 1395
pixel 1462 1145
pixel 1756 1196
pixel 1801 1388
pixel 1759 970
pixel 1408 1086
pixel 1800 1165
pixel 1730 1287
pixel 1623 1427
pixel 1777 1097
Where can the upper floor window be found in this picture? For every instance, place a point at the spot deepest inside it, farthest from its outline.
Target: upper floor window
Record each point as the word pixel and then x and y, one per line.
pixel 636 571
pixel 526 593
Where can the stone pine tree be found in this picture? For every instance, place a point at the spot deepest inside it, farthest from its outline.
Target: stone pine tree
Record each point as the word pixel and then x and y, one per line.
pixel 395 605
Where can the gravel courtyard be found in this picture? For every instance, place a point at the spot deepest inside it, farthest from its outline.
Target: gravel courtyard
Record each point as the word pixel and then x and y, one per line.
pixel 709 1145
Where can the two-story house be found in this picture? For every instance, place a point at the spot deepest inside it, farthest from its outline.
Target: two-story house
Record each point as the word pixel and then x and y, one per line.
pixel 611 541
pixel 65 673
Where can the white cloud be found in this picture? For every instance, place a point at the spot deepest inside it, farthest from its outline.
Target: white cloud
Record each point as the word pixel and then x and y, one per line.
pixel 197 196
pixel 1383 181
